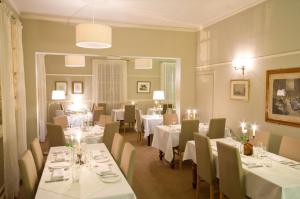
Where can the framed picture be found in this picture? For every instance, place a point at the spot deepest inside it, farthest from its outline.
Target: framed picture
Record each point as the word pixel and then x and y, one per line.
pixel 61 86
pixel 283 96
pixel 143 87
pixel 77 87
pixel 239 89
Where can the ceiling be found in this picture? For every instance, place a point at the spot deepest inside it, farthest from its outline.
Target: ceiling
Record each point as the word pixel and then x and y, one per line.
pixel 161 13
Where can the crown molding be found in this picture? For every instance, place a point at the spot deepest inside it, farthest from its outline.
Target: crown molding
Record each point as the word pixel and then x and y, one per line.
pixel 12 5
pixel 234 12
pixel 74 21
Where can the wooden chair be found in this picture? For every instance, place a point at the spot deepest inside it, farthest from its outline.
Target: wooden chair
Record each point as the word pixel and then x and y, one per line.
pixel 99 106
pixel 127 161
pixel 52 110
pixel 104 119
pixel 170 118
pixel 38 157
pixel 231 175
pixel 55 135
pixel 188 127
pixel 109 132
pixel 62 121
pixel 165 107
pixel 139 124
pixel 117 147
pixel 206 168
pixel 97 112
pixel 290 147
pixel 28 174
pixel 216 128
pixel 129 116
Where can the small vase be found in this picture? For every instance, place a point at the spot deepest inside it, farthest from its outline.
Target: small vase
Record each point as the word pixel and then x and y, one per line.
pixel 248 148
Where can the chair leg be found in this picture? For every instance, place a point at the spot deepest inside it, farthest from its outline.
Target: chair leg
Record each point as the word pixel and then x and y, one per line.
pixel 211 191
pixel 180 160
pixel 198 187
pixel 221 195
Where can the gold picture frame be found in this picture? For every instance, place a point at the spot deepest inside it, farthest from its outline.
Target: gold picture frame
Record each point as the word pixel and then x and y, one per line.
pixel 77 87
pixel 61 86
pixel 239 89
pixel 283 96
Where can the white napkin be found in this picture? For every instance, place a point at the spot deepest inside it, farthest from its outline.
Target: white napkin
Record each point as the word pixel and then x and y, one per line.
pixel 60 157
pixel 98 155
pixel 58 174
pixel 251 163
pixel 59 165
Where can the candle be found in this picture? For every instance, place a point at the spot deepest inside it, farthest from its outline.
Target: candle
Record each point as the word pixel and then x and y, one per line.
pixel 194 114
pixel 254 128
pixel 188 113
pixel 243 125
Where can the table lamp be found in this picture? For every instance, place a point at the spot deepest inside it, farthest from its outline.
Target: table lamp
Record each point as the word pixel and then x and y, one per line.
pixel 159 96
pixel 58 95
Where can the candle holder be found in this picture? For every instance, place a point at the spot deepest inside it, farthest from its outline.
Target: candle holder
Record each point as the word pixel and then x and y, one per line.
pixel 79 159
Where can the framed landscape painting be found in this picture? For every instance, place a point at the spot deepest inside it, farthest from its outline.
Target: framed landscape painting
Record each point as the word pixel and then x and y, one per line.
pixel 77 87
pixel 61 86
pixel 239 89
pixel 143 87
pixel 283 96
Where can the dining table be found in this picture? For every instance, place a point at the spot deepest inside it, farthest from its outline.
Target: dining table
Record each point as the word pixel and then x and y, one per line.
pixel 150 122
pixel 76 119
pixel 166 137
pixel 267 175
pixel 90 134
pixel 98 178
pixel 117 114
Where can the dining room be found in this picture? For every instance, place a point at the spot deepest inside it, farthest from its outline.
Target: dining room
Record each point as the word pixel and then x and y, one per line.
pixel 149 99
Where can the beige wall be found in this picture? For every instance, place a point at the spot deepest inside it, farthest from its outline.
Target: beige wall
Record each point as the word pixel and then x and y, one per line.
pixel 266 31
pixel 44 36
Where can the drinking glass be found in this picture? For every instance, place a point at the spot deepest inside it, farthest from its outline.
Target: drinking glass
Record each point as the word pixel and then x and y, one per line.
pixel 75 173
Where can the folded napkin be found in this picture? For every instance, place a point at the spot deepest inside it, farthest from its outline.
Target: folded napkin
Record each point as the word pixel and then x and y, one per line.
pixel 58 174
pixel 60 157
pixel 59 165
pixel 102 169
pixel 98 155
pixel 251 163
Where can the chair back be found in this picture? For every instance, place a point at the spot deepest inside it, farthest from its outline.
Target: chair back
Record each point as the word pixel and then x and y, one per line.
pixel 109 132
pixel 62 121
pixel 290 147
pixel 206 167
pixel 28 174
pixel 52 111
pixel 127 161
pixel 165 107
pixel 59 113
pixel 231 174
pixel 97 112
pixel 117 147
pixel 138 119
pixel 129 114
pixel 216 128
pixel 55 135
pixel 1 165
pixel 105 119
pixel 99 106
pixel 188 127
pixel 37 153
pixel 170 118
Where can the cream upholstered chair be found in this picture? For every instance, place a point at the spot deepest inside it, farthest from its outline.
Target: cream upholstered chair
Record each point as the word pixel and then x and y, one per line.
pixel 53 107
pixel 96 113
pixel 37 155
pixel 99 106
pixel 206 168
pixel 105 119
pixel 55 135
pixel 216 128
pixel 28 174
pixel 59 113
pixel 165 107
pixel 139 124
pixel 2 192
pixel 170 118
pixel 117 147
pixel 290 147
pixel 127 161
pixel 188 127
pixel 62 121
pixel 231 175
pixel 109 132
pixel 129 116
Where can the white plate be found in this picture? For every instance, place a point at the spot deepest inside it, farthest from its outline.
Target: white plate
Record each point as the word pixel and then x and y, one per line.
pixel 110 179
pixel 59 165
pixel 105 159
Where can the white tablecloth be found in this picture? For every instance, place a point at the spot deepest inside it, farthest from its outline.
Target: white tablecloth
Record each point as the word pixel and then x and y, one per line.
pixel 117 114
pixel 167 137
pixel 153 111
pixel 150 122
pixel 278 181
pixel 91 135
pixel 90 184
pixel 76 119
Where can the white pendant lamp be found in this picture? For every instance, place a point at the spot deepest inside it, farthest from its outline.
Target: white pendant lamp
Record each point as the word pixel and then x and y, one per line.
pixel 75 61
pixel 91 35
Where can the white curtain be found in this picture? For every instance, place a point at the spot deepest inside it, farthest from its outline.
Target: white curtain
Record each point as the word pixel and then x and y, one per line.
pixel 168 74
pixel 110 82
pixel 42 97
pixel 20 92
pixel 10 143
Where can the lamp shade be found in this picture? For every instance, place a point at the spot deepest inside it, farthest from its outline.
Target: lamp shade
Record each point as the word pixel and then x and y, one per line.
pixel 74 61
pixel 58 95
pixel 158 95
pixel 93 36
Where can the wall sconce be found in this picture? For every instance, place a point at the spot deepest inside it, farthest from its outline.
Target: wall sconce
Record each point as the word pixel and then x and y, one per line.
pixel 241 63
